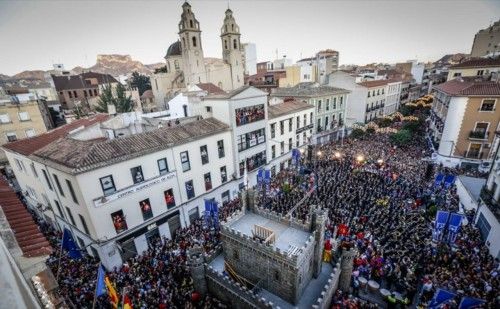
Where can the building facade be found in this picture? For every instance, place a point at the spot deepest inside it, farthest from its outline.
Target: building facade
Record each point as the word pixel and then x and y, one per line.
pixel 464 117
pixel 486 41
pixel 249 58
pixel 290 126
pixel 475 68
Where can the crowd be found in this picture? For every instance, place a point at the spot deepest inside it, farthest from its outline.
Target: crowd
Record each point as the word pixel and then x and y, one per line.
pixel 157 278
pixel 385 199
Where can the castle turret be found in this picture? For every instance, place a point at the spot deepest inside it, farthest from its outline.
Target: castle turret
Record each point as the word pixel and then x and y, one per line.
pixel 346 269
pixel 192 51
pixel 197 268
pixel 231 48
pixel 318 227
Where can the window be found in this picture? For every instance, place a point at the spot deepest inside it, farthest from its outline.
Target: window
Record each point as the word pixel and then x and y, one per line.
pixel 251 139
pixel 107 185
pixel 70 216
pixel 58 184
pixel 273 151
pixel 282 127
pixel 480 72
pixel 61 213
pixel 305 120
pixel 483 226
pixel 44 172
pixel 326 122
pixel 84 224
pixel 33 169
pixel 220 148
pixel 297 141
pixel 186 166
pixel 304 137
pixel 70 95
pixel 119 221
pixel 71 191
pixel 249 114
pixel 327 104
pixel 235 44
pixel 290 125
pixel 11 136
pixel 204 154
pixel 95 92
pixel 273 130
pixel 290 144
pixel 137 175
pixel 189 189
pixel 223 174
pixel 75 94
pixel 208 181
pixel 297 123
pixel 253 162
pixel 162 166
pixel 85 93
pixel 4 118
pixel 176 64
pixel 146 210
pixel 282 148
pixel 30 133
pixel 319 106
pixel 194 41
pixel 488 105
pixel 225 197
pixel 311 118
pixel 457 74
pixel 368 93
pixel 169 198
pixel 382 90
pixel 273 171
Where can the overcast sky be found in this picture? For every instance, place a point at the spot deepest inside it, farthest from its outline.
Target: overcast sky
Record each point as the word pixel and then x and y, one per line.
pixel 36 34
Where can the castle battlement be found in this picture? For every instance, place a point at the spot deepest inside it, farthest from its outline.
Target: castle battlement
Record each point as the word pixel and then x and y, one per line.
pixel 328 289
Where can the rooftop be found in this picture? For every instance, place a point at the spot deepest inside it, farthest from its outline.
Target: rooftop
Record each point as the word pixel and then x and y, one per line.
pixel 210 88
pixel 287 107
pixel 66 82
pixel 308 90
pixel 469 87
pixel 28 236
pixel 377 83
pixel 478 63
pixel 77 156
pixel 28 146
pixel 472 185
pixel 286 236
pixel 228 95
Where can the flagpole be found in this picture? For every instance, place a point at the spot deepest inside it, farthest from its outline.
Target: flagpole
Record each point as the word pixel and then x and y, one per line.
pixel 96 284
pixel 60 255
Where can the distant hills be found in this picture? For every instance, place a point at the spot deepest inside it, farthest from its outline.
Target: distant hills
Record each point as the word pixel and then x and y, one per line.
pixel 109 64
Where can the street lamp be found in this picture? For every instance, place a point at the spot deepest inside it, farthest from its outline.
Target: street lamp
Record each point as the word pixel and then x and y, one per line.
pixel 302 150
pixel 319 153
pixel 380 161
pixel 337 155
pixel 360 158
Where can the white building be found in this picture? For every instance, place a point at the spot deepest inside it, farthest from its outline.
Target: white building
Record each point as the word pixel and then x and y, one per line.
pixel 392 96
pixel 417 70
pixel 290 126
pixel 115 195
pixel 244 110
pixel 249 58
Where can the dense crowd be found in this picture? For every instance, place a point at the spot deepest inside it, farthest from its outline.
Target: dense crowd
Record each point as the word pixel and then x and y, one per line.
pixel 385 199
pixel 157 278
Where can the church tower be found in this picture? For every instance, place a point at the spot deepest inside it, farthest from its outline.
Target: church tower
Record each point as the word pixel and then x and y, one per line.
pixel 231 49
pixel 192 52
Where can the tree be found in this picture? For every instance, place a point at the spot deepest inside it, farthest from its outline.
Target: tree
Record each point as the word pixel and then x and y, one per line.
pixel 357 133
pixel 141 82
pixel 385 122
pixel 402 138
pixel 121 101
pixel 105 99
pixel 411 126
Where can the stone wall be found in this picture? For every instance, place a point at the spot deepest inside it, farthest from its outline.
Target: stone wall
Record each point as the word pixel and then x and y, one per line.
pixel 232 293
pixel 329 289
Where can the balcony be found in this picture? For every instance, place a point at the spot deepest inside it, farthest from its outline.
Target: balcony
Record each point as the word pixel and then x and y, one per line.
pixel 473 154
pixel 490 202
pixel 479 134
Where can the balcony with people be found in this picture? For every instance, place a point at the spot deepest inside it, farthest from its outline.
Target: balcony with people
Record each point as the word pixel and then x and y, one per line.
pixel 249 114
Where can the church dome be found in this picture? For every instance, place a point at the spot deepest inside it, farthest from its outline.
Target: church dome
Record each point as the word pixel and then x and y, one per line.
pixel 174 49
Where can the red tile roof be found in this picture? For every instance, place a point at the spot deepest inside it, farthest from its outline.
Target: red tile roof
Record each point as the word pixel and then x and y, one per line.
pixel 469 87
pixel 376 83
pixel 28 146
pixel 478 63
pixel 28 236
pixel 66 82
pixel 210 88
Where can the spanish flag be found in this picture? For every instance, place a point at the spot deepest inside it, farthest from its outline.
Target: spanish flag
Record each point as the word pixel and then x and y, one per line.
pixel 112 292
pixel 127 304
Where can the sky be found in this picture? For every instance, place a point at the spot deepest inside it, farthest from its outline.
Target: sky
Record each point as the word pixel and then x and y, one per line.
pixel 37 34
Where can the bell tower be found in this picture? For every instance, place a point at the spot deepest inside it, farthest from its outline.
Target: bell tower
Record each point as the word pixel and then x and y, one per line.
pixel 231 48
pixel 192 51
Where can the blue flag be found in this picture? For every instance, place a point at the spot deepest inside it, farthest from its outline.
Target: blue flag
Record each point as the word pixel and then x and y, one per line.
pixel 101 286
pixel 439 179
pixel 469 302
pixel 440 298
pixel 260 177
pixel 454 226
pixel 441 221
pixel 68 243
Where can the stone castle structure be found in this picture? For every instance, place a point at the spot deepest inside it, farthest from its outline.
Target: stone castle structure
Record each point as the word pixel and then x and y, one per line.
pixel 185 64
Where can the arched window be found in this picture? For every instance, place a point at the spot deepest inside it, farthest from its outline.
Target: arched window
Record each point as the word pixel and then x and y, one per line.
pixel 194 41
pixel 235 44
pixel 232 27
pixel 176 64
pixel 184 43
pixel 191 23
pixel 225 44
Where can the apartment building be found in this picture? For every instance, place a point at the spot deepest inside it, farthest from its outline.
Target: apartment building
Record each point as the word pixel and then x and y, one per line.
pixel 464 117
pixel 117 194
pixel 474 67
pixel 487 41
pixel 329 107
pixel 290 126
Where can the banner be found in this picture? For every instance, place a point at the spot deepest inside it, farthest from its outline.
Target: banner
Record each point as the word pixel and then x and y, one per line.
pixel 439 180
pixel 68 243
pixel 211 214
pixel 296 157
pixel 267 179
pixel 469 302
pixel 440 298
pixel 441 220
pixel 449 180
pixel 454 226
pixel 101 286
pixel 260 178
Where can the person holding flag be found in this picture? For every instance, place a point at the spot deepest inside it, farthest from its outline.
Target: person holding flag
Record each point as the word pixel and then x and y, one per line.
pixel 104 285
